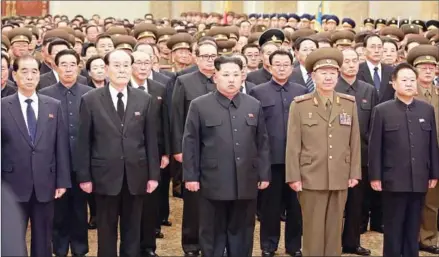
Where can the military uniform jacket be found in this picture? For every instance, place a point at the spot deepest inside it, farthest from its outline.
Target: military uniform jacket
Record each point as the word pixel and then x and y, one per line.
pixel 366 97
pixel 187 87
pixel 434 101
pixel 225 146
pixel 403 147
pixel 323 153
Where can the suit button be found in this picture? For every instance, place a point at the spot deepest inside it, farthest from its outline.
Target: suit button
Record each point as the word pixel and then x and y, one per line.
pixel 235 130
pixel 413 146
pixel 237 143
pixel 70 114
pixel 413 159
pixel 233 117
pixel 330 157
pixel 330 147
pixel 330 136
pixel 121 157
pixel 410 121
pixel 33 152
pixel 330 125
pixel 238 158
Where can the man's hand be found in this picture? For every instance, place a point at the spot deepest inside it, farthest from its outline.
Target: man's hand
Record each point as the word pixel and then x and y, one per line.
pixel 353 182
pixel 432 183
pixel 376 185
pixel 192 186
pixel 263 185
pixel 86 187
pixel 296 186
pixel 178 157
pixel 151 186
pixel 164 162
pixel 59 192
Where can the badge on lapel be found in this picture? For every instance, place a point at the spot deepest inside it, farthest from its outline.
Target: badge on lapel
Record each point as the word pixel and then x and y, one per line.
pixel 51 116
pixel 421 120
pixel 345 119
pixel 159 98
pixel 250 115
pixel 136 114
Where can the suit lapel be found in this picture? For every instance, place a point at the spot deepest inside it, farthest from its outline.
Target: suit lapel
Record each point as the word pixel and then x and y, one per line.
pixel 109 108
pixel 17 115
pixel 51 78
pixel 366 74
pixel 131 108
pixel 43 118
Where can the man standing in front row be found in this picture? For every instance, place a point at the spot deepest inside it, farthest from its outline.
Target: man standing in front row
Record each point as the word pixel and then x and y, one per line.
pixel 226 157
pixel 35 153
pixel 323 154
pixel 117 155
pixel 403 162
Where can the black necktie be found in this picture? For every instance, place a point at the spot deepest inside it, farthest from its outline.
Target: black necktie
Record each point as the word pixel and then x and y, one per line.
pixel 142 88
pixel 120 106
pixel 31 120
pixel 376 79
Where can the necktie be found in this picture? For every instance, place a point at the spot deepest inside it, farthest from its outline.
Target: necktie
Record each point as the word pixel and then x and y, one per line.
pixel 120 106
pixel 376 79
pixel 428 95
pixel 31 120
pixel 309 84
pixel 142 88
pixel 328 108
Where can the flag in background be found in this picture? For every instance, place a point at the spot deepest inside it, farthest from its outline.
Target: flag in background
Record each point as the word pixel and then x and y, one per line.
pixel 226 9
pixel 319 16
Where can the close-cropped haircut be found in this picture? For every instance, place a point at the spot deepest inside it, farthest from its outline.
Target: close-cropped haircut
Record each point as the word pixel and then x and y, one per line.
pixel 91 60
pixel 250 46
pixel 197 50
pixel 403 66
pixel 300 40
pixel 219 61
pixel 20 59
pixel 280 52
pixel 67 52
pixel 57 42
pixel 108 56
pixel 366 39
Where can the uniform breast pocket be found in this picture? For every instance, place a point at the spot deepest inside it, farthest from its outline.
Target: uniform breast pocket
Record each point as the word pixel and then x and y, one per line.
pixel 310 123
pixel 425 126
pixel 251 121
pixel 268 108
pixel 212 123
pixel 366 106
pixel 391 127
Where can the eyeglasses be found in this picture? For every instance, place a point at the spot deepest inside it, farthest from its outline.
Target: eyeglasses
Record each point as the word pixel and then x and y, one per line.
pixel 252 56
pixel 208 57
pixel 279 66
pixel 142 63
pixel 427 69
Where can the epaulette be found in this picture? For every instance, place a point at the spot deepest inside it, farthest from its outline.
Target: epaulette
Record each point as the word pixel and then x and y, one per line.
pixel 348 97
pixel 304 97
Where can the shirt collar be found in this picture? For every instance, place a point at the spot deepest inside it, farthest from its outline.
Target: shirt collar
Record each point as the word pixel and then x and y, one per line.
pixel 346 86
pixel 304 72
pixel 372 67
pixel 204 78
pixel 114 92
pixel 278 87
pixel 23 98
pixel 226 102
pixel 135 85
pixel 150 75
pixel 63 89
pixel 403 105
pixel 56 75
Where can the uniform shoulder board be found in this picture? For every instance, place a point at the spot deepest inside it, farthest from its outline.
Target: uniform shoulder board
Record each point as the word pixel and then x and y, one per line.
pixel 301 98
pixel 348 97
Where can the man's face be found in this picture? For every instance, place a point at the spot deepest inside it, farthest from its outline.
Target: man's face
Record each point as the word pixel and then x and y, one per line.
pixel 92 33
pixel 331 26
pixel 281 67
pixel 119 69
pixel 390 53
pixel 55 50
pixel 244 29
pixel 411 46
pixel 142 65
pixel 91 51
pixel 374 49
pixel 360 52
pixel 242 41
pixel 27 76
pixel 228 79
pixel 97 70
pixel 405 83
pixel 350 64
pixel 20 48
pixel 5 71
pixel 104 46
pixel 426 72
pixel 325 78
pixel 33 43
pixel 282 23
pixel 267 50
pixel 182 56
pixel 78 47
pixel 244 67
pixel 306 47
pixel 206 57
pixel 163 48
pixel 253 56
pixel 67 69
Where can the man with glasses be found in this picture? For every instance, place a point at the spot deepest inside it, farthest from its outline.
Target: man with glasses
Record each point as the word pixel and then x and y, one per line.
pixel 252 52
pixel 187 88
pixel 246 86
pixel 424 59
pixel 275 97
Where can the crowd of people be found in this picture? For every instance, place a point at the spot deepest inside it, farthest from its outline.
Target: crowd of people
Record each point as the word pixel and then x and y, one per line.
pixel 329 126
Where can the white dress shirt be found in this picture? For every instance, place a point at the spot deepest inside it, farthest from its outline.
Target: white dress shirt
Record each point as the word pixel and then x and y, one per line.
pixel 145 84
pixel 23 105
pixel 244 90
pixel 113 94
pixel 56 76
pixel 304 73
pixel 150 76
pixel 372 67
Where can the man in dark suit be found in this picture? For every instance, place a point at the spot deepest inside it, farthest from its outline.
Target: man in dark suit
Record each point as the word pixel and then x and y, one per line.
pixel 39 172
pixel 187 88
pixel 8 87
pixel 275 97
pixel 366 97
pixel 302 48
pixel 117 155
pixel 70 221
pixel 51 78
pixel 246 86
pixel 151 221
pixel 226 159
pixel 403 162
pixel 373 72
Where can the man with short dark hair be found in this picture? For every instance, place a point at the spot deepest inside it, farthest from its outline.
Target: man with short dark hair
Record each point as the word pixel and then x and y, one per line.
pixel 302 48
pixel 275 97
pixel 70 218
pixel 8 87
pixel 226 159
pixel 253 56
pixel 403 162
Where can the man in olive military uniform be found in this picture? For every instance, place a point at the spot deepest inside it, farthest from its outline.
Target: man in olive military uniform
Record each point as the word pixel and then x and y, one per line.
pixel 366 98
pixel 403 163
pixel 225 47
pixel 124 42
pixel 424 59
pixel 342 39
pixel 145 33
pixel 180 46
pixel 163 35
pixel 19 39
pixel 323 156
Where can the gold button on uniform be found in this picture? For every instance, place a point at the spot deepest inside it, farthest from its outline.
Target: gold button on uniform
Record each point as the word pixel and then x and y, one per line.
pixel 330 157
pixel 330 136
pixel 330 147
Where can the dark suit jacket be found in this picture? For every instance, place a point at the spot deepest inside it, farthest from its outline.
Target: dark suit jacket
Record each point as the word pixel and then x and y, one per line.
pixel 403 148
pixel 157 76
pixel 9 89
pixel 366 97
pixel 386 89
pixel 84 73
pixel 249 86
pixel 108 151
pixel 42 166
pixel 210 155
pixel 187 88
pixel 259 76
pixel 49 79
pixel 44 68
pixel 296 77
pixel 168 74
pixel 187 70
pixel 158 93
pixel 275 101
